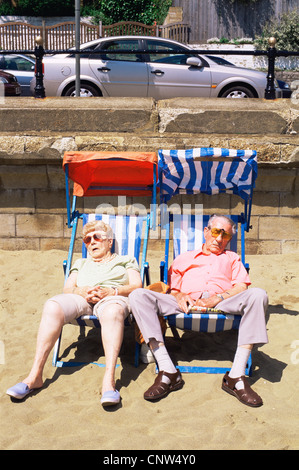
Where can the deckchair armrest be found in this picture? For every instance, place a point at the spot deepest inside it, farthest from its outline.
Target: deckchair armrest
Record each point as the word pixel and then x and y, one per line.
pixel 64 264
pixel 162 271
pixel 146 276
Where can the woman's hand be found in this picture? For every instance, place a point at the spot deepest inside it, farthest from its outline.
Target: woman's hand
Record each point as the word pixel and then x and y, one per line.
pixel 87 292
pixel 95 294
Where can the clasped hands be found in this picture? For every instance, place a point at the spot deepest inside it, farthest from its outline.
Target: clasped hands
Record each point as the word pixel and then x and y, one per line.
pixel 94 294
pixel 185 301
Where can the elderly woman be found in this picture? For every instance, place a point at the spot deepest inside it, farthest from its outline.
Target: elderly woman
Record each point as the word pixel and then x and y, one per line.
pixel 98 285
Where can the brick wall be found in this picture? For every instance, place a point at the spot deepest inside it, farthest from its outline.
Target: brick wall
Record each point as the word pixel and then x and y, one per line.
pixel 33 209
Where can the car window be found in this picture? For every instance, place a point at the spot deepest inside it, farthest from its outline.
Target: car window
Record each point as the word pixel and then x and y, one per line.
pixel 220 61
pixel 176 54
pixel 112 48
pixel 14 62
pixel 85 55
pixel 10 62
pixel 24 64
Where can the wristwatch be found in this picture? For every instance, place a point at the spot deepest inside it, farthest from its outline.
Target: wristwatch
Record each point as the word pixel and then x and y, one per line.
pixel 220 296
pixel 115 290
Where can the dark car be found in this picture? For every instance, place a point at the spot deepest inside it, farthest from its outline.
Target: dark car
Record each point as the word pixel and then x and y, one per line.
pixel 285 88
pixel 22 67
pixel 10 83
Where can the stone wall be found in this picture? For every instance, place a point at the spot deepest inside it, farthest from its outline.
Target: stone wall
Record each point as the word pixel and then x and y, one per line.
pixel 35 133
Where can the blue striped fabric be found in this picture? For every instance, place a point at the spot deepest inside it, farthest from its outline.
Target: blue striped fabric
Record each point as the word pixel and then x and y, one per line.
pixel 188 232
pixel 204 322
pixel 127 232
pixel 181 172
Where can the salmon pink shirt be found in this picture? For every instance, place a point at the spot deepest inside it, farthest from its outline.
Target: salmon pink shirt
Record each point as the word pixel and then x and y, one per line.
pixel 194 273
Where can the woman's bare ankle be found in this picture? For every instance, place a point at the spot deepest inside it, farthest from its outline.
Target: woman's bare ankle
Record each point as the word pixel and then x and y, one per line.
pixel 36 382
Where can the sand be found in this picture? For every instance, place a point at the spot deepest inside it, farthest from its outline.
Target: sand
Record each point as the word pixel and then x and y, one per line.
pixel 67 414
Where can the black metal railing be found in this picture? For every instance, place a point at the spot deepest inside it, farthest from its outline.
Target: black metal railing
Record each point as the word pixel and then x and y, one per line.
pixel 271 53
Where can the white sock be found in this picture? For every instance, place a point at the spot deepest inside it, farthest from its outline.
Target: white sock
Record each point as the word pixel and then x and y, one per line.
pixel 163 360
pixel 239 364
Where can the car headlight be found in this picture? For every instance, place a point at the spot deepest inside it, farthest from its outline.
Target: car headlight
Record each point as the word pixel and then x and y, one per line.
pixel 3 80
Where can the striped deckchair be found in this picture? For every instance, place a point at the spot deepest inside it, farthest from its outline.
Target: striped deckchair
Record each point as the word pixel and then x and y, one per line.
pixel 209 171
pixel 106 173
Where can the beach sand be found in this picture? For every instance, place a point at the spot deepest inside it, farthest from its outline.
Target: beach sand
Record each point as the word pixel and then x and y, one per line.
pixel 67 414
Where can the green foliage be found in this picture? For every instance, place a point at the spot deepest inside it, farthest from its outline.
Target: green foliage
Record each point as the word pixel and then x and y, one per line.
pixel 143 11
pixel 285 30
pixel 224 40
pixel 38 7
pixel 108 11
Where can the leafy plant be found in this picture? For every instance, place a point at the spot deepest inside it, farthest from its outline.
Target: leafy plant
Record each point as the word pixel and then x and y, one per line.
pixel 285 30
pixel 142 11
pixel 223 40
pixel 37 7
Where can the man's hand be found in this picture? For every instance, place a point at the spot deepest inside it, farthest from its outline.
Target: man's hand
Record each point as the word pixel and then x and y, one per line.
pixel 184 300
pixel 209 302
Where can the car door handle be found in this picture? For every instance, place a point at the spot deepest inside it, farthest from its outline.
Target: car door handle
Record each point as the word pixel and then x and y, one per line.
pixel 157 72
pixel 104 69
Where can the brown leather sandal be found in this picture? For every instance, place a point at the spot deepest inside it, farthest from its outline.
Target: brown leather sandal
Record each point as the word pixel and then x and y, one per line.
pixel 160 389
pixel 246 395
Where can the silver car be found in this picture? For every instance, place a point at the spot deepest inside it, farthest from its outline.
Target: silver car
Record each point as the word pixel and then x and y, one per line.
pixel 22 67
pixel 156 67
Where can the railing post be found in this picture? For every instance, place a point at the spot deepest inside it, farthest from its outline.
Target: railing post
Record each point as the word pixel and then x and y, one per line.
pixel 45 39
pixel 270 89
pixel 39 89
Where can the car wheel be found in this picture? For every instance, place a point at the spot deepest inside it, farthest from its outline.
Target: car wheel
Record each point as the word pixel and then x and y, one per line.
pixel 238 92
pixel 86 91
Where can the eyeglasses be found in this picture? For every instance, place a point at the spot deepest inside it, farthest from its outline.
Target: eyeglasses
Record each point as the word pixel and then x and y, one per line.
pixel 217 231
pixel 97 236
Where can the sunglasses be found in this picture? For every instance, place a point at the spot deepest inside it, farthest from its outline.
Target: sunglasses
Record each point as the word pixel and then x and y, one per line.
pixel 217 231
pixel 97 236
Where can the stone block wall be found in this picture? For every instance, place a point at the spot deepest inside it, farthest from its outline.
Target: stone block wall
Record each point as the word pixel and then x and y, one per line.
pixel 32 194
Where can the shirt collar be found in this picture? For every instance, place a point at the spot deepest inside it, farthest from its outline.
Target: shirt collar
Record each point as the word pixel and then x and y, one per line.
pixel 200 252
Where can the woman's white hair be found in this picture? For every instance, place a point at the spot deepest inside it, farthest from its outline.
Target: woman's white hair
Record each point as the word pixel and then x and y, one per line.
pixel 97 225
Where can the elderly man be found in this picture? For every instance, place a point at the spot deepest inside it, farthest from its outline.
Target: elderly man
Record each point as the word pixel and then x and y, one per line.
pixel 211 276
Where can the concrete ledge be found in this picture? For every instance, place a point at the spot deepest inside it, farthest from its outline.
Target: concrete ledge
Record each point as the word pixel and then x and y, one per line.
pixel 64 114
pixel 34 131
pixel 134 115
pixel 249 116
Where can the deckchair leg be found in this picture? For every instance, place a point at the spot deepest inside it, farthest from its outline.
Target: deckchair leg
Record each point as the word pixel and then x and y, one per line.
pixel 195 369
pixel 214 370
pixel 137 353
pixel 56 351
pixel 248 370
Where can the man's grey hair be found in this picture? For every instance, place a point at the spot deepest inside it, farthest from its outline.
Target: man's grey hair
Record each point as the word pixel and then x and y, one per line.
pixel 227 219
